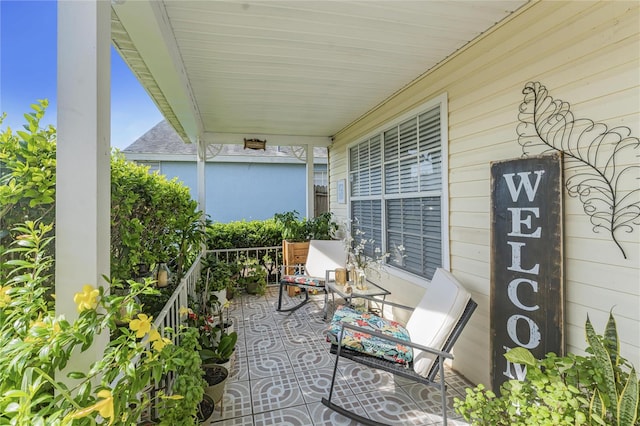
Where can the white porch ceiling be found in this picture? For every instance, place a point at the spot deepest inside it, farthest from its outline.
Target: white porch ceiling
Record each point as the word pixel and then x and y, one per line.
pixel 289 71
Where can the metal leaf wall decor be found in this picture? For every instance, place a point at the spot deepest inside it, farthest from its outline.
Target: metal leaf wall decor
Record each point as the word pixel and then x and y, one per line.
pixel 602 165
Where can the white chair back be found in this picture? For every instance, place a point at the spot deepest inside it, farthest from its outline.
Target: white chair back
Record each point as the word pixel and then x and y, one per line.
pixel 325 255
pixel 435 317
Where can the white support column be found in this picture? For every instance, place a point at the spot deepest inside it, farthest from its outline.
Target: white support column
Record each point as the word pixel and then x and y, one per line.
pixel 311 198
pixel 202 180
pixel 83 189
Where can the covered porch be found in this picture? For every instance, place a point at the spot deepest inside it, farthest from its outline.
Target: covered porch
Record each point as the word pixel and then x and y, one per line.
pixel 282 369
pixel 338 75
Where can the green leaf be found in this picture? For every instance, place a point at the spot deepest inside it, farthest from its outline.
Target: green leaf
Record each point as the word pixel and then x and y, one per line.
pixel 628 403
pixel 604 361
pixel 521 356
pixel 12 407
pixel 76 375
pixel 611 339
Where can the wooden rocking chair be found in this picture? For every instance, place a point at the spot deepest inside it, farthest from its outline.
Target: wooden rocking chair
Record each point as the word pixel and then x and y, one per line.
pixel 417 352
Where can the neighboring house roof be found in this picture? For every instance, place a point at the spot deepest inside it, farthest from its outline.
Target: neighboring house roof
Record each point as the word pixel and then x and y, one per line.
pixel 162 142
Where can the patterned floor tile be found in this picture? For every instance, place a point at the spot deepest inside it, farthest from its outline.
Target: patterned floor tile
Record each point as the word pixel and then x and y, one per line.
pixel 458 383
pixel 309 358
pixel 239 369
pixel 323 416
pixel 428 398
pixel 364 379
pixel 291 396
pixel 268 364
pixel 299 337
pixel 274 393
pixel 315 385
pixel 263 344
pixel 238 421
pixel 260 328
pixel 257 316
pixel 289 322
pixel 394 406
pixel 294 416
pixel 236 401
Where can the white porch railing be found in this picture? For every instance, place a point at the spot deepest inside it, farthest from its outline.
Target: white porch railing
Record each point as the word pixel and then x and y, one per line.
pixel 269 257
pixel 169 316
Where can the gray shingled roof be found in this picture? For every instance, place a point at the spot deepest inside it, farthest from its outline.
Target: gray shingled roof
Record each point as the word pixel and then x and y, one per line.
pixel 162 139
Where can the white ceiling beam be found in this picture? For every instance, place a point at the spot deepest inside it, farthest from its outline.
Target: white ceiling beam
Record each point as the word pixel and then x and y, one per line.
pixel 148 27
pixel 272 140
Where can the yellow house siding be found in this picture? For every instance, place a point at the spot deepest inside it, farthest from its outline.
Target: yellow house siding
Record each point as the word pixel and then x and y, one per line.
pixel 585 53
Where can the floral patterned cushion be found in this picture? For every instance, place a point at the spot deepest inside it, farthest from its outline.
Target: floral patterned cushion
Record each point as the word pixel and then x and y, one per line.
pixel 363 342
pixel 303 280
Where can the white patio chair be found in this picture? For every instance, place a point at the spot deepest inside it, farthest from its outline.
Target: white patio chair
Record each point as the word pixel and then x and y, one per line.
pixel 417 351
pixel 324 257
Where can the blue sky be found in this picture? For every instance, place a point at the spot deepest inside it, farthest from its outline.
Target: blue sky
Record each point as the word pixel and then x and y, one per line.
pixel 28 73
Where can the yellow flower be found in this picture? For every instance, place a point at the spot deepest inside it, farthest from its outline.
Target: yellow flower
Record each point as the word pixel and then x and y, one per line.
pixel 183 310
pixel 154 335
pixel 141 325
pixel 87 299
pixel 103 406
pixel 5 299
pixel 158 345
pixel 157 341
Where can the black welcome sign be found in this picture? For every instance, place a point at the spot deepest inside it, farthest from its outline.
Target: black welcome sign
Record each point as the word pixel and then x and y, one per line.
pixel 527 294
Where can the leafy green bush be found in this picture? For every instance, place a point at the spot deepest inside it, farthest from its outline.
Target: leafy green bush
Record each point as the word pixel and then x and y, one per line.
pixel 598 389
pixel 242 234
pixel 152 219
pixel 294 229
pixel 36 345
pixel 215 274
pixel 27 175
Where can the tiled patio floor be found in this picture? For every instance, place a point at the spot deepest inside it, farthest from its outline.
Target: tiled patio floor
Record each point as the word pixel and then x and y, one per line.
pixel 282 368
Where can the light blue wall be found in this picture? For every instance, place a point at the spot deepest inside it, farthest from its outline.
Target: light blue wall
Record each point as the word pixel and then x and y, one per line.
pixel 249 191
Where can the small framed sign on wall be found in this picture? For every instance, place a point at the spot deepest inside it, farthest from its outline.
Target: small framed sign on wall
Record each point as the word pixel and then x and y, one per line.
pixel 341 191
pixel 527 290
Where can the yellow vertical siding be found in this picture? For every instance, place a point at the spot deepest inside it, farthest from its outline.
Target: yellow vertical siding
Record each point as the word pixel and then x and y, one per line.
pixel 585 53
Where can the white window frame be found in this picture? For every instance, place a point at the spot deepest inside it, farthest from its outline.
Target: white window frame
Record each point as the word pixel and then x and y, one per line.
pixel 441 101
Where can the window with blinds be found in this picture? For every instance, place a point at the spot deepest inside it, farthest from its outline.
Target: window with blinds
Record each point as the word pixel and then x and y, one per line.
pixel 396 192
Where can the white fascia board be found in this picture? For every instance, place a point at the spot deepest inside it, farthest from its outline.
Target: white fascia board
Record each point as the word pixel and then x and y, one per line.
pixel 272 140
pixel 137 156
pixel 140 156
pixel 148 27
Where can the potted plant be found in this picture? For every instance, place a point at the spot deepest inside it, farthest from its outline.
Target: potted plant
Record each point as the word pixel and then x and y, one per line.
pixel 215 278
pixel 600 388
pixel 216 377
pixel 296 234
pixel 221 349
pixel 253 277
pixel 188 383
pixel 206 407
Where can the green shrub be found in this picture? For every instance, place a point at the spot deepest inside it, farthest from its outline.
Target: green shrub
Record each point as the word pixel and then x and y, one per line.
pixel 36 345
pixel 152 219
pixel 243 234
pixel 598 389
pixel 27 175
